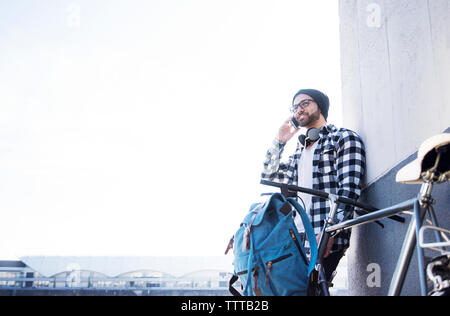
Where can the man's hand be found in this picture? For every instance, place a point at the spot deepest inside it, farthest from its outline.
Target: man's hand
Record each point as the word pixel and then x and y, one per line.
pixel 286 131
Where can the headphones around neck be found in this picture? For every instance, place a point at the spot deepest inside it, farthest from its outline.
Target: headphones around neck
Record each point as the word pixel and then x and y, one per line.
pixel 311 136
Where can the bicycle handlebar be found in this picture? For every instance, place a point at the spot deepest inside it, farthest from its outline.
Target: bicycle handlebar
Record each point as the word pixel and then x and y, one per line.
pixel 327 196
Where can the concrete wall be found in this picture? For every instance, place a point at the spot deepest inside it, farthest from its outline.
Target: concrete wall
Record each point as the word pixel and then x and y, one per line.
pixel 395 57
pixel 395 74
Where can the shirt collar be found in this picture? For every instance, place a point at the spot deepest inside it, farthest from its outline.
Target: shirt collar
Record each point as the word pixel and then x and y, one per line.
pixel 326 129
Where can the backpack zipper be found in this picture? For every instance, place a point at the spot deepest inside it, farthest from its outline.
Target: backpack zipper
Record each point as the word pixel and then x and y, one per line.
pixel 245 271
pixel 298 246
pixel 271 262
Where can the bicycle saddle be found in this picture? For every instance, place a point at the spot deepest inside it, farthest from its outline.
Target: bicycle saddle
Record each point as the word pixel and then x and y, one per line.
pixel 432 163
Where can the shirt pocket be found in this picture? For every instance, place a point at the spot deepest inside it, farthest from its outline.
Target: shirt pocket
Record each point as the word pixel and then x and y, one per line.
pixel 326 164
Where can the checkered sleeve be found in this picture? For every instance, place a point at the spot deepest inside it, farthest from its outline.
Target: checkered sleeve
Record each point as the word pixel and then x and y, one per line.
pixel 351 164
pixel 274 169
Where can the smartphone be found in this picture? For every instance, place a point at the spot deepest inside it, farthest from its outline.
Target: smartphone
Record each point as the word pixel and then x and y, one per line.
pixel 295 123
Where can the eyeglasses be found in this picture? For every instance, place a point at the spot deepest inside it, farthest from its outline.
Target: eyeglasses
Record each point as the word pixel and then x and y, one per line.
pixel 304 104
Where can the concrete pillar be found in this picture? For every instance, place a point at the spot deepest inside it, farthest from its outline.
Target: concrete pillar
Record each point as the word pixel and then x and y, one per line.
pixel 395 59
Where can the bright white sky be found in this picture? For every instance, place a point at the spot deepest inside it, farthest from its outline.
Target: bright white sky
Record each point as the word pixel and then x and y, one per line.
pixel 140 127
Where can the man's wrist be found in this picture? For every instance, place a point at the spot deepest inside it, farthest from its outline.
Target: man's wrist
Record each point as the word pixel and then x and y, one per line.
pixel 278 142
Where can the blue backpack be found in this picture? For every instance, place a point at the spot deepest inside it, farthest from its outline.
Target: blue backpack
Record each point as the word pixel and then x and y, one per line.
pixel 269 257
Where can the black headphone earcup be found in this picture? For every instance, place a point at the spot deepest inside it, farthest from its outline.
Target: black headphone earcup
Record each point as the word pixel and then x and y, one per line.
pixel 313 134
pixel 302 139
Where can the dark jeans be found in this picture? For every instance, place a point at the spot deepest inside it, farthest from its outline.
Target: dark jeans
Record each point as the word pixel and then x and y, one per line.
pixel 331 262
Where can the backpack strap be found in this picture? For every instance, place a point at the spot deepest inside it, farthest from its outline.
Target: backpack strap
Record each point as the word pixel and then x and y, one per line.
pixel 309 233
pixel 248 228
pixel 230 245
pixel 231 288
pixel 250 266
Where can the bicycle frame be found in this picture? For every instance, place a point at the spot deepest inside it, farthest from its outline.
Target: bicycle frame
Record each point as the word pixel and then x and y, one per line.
pixel 421 205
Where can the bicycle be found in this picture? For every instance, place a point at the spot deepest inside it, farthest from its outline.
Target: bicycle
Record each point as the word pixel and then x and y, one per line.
pixel 431 167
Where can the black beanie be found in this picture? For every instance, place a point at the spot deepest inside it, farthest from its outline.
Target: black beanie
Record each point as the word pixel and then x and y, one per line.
pixel 321 99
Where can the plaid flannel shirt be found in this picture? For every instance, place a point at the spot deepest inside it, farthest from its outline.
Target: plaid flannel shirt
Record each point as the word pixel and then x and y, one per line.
pixel 338 167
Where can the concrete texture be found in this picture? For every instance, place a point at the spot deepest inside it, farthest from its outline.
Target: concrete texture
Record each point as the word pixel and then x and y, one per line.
pixel 395 58
pixel 395 75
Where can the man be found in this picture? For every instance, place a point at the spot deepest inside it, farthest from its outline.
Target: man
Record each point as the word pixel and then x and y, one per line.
pixel 334 163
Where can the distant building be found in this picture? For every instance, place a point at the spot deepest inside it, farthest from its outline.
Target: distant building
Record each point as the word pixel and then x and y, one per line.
pixel 116 276
pixel 126 276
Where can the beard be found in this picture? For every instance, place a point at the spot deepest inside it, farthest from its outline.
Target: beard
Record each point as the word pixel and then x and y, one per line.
pixel 308 119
